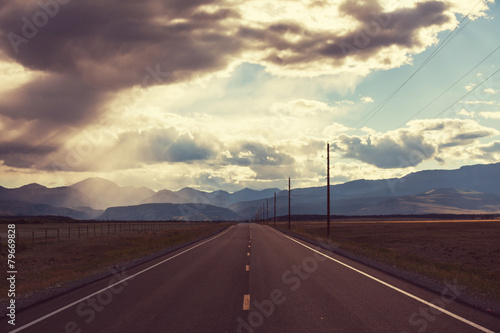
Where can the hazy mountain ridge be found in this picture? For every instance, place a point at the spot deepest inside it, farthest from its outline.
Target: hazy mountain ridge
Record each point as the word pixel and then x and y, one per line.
pixel 361 197
pixel 107 194
pixel 216 198
pixel 64 196
pixel 441 201
pixel 470 189
pixel 21 208
pixel 167 211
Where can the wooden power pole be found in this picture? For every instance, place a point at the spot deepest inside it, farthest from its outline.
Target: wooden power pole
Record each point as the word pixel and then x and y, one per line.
pixel 289 209
pixel 267 211
pixel 328 190
pixel 274 208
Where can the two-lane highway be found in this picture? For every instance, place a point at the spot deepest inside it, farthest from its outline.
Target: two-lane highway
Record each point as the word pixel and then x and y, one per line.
pixel 252 278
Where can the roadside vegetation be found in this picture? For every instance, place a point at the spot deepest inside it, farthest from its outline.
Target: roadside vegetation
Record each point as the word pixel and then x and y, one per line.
pixel 43 265
pixel 468 251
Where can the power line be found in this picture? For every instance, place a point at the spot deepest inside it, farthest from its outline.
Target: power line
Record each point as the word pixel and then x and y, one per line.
pixel 458 100
pixel 468 93
pixel 448 89
pixel 445 42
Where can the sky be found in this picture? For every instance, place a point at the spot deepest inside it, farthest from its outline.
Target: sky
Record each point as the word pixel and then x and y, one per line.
pixel 223 95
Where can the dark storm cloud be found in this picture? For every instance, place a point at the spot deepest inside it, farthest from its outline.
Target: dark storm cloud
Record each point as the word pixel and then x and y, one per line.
pixel 377 30
pixel 89 49
pixel 465 138
pixel 174 147
pixel 166 145
pixel 23 155
pixel 386 152
pixel 56 98
pixel 422 140
pixel 109 44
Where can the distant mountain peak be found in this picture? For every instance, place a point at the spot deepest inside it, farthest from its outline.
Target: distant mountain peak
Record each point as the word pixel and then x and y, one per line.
pixel 33 186
pixel 94 181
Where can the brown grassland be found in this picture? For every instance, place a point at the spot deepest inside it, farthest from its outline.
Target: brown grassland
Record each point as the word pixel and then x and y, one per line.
pixel 442 250
pixel 43 265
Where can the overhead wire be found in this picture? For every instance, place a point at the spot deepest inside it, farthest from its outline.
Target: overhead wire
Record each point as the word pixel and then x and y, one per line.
pixel 444 43
pixel 451 86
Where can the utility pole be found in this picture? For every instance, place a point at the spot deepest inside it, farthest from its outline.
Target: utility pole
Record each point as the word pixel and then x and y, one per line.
pixel 274 208
pixel 289 210
pixel 267 211
pixel 328 190
pixel 263 214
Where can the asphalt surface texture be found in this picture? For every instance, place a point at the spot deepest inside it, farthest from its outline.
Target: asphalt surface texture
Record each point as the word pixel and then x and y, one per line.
pixel 252 278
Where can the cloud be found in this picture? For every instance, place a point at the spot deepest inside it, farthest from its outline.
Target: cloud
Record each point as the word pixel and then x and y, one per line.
pixel 465 113
pixel 60 99
pixel 132 149
pixel 491 91
pixel 408 147
pixel 493 147
pixel 112 44
pixel 490 115
pixel 302 108
pixel 293 47
pixel 253 153
pixel 471 86
pixel 478 102
pixel 385 151
pixel 23 155
pixel 366 100
pixel 87 53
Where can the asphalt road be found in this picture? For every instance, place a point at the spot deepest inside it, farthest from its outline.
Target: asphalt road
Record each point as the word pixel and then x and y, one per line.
pixel 251 278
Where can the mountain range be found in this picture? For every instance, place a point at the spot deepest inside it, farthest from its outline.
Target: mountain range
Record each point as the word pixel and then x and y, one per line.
pixel 469 190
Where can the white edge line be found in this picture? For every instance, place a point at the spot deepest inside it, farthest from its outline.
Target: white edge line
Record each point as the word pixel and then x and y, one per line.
pixel 451 314
pixel 111 286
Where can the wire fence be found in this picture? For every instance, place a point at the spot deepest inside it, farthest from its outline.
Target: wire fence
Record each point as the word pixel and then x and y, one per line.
pixel 32 234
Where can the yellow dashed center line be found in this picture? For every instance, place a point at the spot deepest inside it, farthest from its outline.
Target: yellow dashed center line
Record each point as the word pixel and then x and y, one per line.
pixel 246 302
pixel 248 268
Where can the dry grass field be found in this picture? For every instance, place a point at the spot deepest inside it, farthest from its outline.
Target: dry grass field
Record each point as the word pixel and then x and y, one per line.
pixel 466 250
pixel 42 265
